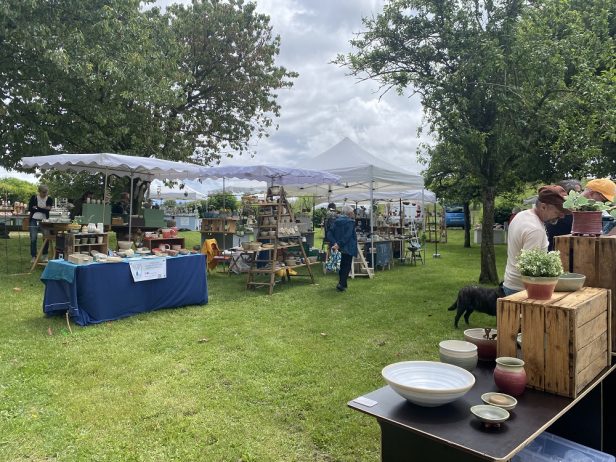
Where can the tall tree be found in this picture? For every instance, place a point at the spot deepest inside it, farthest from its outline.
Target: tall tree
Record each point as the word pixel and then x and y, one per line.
pixel 498 82
pixel 195 82
pixel 453 54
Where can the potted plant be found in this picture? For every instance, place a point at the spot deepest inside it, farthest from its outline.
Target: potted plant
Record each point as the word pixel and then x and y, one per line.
pixel 587 214
pixel 540 272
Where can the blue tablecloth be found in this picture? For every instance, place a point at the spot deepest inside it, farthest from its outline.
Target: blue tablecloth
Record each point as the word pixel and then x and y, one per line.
pixel 101 292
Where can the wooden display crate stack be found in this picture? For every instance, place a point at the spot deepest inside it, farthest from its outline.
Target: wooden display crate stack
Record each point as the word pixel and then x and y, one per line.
pixel 595 257
pixel 565 340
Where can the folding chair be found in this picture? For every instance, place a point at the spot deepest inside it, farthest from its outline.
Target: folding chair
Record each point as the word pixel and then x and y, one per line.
pixel 415 250
pixel 213 253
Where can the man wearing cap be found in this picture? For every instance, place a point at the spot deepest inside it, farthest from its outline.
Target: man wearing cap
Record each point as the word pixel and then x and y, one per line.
pixel 527 231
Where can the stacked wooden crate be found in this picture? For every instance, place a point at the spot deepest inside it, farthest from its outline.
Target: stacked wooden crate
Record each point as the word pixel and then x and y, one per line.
pixel 595 257
pixel 565 340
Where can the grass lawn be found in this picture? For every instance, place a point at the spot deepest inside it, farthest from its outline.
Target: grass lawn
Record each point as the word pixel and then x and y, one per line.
pixel 247 377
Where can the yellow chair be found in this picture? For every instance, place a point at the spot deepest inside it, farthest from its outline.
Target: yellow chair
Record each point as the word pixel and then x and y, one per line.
pixel 213 253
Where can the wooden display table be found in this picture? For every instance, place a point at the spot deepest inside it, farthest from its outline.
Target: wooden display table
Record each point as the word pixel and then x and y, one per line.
pixel 171 241
pixel 594 257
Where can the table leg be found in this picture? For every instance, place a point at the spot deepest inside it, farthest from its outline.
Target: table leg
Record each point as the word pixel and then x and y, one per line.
pixel 39 253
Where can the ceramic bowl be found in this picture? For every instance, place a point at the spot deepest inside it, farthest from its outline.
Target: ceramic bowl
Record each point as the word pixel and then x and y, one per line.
pixel 459 353
pixel 246 245
pixel 428 383
pixel 486 348
pixel 490 414
pixel 570 282
pixel 125 245
pixel 501 400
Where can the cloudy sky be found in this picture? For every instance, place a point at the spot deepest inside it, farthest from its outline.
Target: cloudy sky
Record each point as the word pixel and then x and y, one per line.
pixel 325 105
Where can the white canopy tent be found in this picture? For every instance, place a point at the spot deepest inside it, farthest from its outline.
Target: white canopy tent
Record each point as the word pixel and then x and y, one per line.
pixel 159 191
pixel 360 172
pixel 416 195
pixel 281 176
pixel 147 168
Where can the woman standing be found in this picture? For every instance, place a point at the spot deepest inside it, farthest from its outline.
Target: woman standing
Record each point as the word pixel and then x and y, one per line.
pixel 39 207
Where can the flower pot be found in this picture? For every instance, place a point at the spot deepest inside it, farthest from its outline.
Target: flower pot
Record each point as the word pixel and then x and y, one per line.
pixel 587 223
pixel 510 376
pixel 539 288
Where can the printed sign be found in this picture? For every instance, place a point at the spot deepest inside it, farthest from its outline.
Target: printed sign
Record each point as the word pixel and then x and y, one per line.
pixel 146 270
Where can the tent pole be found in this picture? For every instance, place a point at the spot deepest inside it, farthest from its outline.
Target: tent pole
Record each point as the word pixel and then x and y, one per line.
pixel 372 221
pixel 130 208
pixel 105 199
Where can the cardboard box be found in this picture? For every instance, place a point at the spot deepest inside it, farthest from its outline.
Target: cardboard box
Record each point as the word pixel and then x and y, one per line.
pixel 594 257
pixel 565 340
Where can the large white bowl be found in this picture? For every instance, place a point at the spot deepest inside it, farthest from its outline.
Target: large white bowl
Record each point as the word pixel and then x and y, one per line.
pixel 428 383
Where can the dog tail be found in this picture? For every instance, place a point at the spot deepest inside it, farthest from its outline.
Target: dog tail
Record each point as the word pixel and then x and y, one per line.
pixel 454 306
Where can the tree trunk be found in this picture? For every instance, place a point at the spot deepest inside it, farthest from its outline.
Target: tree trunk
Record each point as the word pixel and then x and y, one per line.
pixel 488 275
pixel 467 224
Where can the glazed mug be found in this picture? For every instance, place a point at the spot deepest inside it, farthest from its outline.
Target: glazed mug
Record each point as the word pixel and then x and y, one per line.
pixel 510 376
pixel 164 247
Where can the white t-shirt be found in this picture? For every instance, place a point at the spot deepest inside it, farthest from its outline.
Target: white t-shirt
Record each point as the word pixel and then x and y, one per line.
pixel 526 231
pixel 41 203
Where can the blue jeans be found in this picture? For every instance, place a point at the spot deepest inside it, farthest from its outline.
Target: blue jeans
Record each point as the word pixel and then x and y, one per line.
pixel 34 230
pixel 509 291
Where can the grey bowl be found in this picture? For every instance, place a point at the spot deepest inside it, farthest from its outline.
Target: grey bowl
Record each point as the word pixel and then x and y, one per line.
pixel 570 282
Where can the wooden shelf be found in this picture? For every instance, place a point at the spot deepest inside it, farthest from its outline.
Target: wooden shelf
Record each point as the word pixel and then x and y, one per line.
pixel 280 209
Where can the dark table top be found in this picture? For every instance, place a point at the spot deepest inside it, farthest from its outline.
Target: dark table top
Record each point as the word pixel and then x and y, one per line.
pixel 454 425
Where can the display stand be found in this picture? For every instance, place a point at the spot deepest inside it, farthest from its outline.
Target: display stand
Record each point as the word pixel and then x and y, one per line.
pixel 360 266
pixel 69 243
pixel 436 231
pixel 277 220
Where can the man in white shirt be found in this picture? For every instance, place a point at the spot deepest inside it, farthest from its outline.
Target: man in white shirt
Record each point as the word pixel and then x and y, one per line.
pixel 527 231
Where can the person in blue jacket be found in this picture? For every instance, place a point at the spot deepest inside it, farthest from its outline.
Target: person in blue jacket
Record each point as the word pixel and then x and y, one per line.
pixel 341 235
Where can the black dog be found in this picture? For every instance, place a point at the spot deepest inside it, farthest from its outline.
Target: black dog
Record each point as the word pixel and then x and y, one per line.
pixel 471 298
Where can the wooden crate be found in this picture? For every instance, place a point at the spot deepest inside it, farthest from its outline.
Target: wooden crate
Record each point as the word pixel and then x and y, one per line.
pixel 595 257
pixel 565 340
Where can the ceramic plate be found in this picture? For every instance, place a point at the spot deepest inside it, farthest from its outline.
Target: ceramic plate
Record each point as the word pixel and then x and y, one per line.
pixel 500 400
pixel 490 414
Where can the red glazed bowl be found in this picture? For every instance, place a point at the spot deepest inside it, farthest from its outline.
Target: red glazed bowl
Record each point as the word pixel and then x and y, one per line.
pixel 486 348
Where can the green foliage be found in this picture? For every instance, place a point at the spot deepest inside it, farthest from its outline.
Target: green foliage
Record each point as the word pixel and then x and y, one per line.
pixel 111 76
pixel 513 91
pixel 318 217
pixel 537 263
pixel 15 189
pixel 221 201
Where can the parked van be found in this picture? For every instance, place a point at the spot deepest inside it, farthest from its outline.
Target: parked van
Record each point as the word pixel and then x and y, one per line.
pixel 454 216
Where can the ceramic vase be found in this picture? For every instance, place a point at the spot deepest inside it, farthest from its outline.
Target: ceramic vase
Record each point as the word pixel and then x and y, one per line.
pixel 510 376
pixel 587 223
pixel 539 288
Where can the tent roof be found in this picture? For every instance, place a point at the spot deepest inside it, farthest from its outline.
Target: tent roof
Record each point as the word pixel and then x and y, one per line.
pixel 357 168
pixel 271 174
pixel 146 168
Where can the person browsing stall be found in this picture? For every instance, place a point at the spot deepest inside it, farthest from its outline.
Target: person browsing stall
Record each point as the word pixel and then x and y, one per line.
pixel 123 205
pixel 39 206
pixel 563 226
pixel 527 231
pixel 342 237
